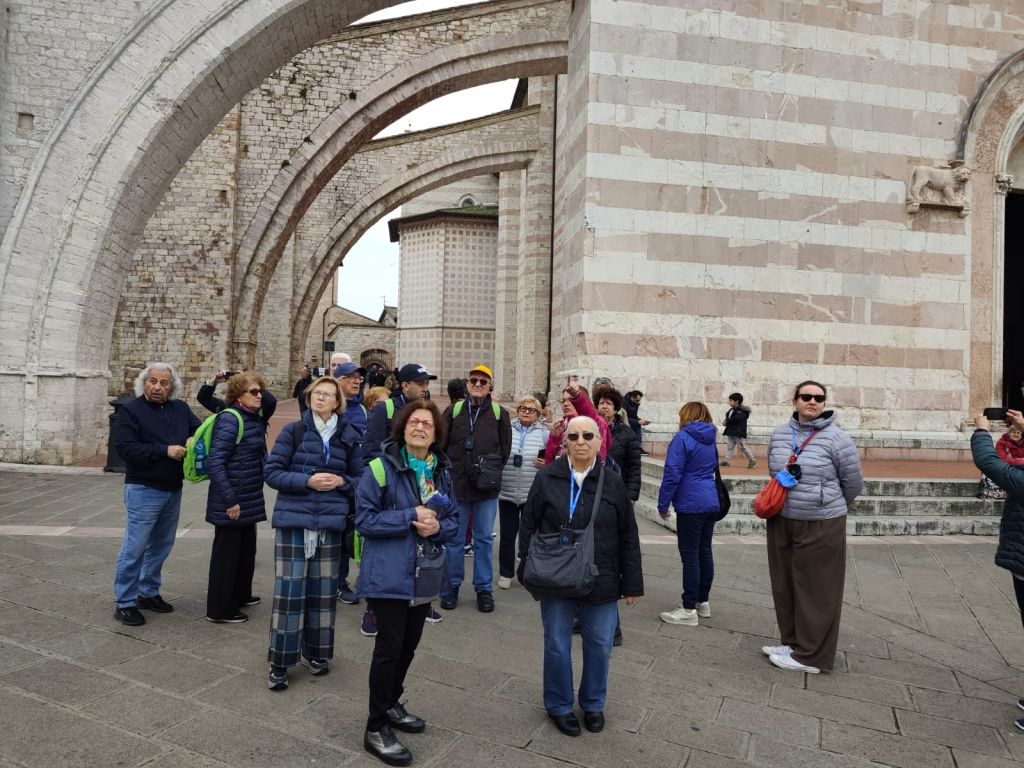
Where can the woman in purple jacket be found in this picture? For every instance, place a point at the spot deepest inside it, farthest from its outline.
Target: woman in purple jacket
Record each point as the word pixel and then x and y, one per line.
pixel 688 485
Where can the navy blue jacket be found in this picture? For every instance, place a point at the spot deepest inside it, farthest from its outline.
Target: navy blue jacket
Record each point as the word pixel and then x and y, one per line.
pixel 378 426
pixel 236 471
pixel 384 518
pixel 688 483
pixel 356 414
pixel 1010 552
pixel 291 463
pixel 142 432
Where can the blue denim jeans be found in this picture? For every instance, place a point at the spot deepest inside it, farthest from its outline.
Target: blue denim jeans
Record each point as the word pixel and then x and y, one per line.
pixel 150 528
pixel 693 533
pixel 597 628
pixel 483 513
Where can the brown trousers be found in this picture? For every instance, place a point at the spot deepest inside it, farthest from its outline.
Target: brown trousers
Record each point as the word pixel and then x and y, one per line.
pixel 807 565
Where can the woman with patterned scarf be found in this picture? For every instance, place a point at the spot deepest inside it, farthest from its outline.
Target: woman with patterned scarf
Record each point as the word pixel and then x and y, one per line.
pixel 404 504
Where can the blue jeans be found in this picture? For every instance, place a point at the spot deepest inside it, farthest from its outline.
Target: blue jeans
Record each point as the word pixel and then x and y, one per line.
pixel 483 513
pixel 693 533
pixel 152 522
pixel 597 627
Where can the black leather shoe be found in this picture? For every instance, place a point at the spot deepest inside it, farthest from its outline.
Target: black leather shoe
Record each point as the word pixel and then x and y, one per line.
pixel 404 721
pixel 385 746
pixel 485 602
pixel 130 616
pixel 567 724
pixel 617 639
pixel 594 721
pixel 154 603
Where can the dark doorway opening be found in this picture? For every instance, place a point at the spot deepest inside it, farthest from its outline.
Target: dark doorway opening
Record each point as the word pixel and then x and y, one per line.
pixel 1013 303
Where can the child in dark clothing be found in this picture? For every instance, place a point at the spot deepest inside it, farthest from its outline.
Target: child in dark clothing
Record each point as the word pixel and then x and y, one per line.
pixel 736 430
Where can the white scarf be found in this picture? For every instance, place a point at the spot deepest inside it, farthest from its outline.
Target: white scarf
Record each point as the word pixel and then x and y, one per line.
pixel 326 429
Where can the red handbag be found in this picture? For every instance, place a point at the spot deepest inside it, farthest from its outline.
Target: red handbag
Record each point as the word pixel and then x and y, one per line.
pixel 770 500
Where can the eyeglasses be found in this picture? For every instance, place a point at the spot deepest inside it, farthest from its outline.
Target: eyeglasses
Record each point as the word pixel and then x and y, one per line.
pixel 479 382
pixel 421 423
pixel 807 398
pixel 573 437
pixel 255 391
pixel 324 394
pixel 525 409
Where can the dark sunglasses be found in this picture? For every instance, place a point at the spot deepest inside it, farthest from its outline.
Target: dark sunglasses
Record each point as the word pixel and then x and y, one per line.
pixel 479 382
pixel 255 391
pixel 572 437
pixel 807 398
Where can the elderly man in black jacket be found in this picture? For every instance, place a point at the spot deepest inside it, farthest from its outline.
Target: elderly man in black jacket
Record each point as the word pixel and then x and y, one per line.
pixel 562 500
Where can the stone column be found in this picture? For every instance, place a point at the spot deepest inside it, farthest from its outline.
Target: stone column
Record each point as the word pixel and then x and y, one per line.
pixel 506 331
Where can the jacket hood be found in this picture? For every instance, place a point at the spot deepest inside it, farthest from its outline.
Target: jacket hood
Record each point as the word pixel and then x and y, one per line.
pixel 827 419
pixel 745 408
pixel 701 431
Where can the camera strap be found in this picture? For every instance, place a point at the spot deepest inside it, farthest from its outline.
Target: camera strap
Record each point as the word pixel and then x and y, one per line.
pixel 798 451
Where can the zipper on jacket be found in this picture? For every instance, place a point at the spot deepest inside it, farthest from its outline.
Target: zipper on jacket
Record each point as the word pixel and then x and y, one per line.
pixel 821 493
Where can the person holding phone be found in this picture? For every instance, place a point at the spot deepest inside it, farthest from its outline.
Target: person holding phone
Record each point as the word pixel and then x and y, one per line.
pixel 313 466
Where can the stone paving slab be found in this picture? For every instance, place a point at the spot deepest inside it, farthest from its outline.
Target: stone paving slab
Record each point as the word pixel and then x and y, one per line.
pixel 930 664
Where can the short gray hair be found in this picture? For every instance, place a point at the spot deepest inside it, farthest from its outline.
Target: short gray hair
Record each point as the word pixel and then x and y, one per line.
pixel 176 386
pixel 586 421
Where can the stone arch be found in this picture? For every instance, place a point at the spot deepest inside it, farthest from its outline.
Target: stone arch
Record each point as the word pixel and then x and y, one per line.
pixel 446 169
pixel 526 54
pixel 993 126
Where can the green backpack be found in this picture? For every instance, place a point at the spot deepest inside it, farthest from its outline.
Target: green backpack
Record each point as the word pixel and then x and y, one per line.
pixel 457 409
pixel 198 449
pixel 377 468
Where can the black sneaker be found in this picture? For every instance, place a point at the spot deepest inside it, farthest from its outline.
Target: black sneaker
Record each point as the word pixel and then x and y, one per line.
pixel 318 666
pixel 253 600
pixel 368 626
pixel 155 603
pixel 346 595
pixel 236 618
pixel 485 602
pixel 385 746
pixel 433 617
pixel 278 679
pixel 130 616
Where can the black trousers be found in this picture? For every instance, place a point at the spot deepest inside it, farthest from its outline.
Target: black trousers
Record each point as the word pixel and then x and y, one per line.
pixel 232 563
pixel 399 628
pixel 1018 591
pixel 509 513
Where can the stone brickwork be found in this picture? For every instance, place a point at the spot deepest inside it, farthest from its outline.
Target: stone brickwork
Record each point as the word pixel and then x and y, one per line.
pixel 481 190
pixel 357 335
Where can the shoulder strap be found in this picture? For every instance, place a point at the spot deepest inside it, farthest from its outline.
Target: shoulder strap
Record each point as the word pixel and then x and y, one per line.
pixel 597 494
pixel 366 413
pixel 299 433
pixel 496 409
pixel 238 437
pixel 389 409
pixel 457 408
pixel 805 442
pixel 377 468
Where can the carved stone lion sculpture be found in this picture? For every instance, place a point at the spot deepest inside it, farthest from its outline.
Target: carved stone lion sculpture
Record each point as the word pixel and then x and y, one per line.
pixel 937 186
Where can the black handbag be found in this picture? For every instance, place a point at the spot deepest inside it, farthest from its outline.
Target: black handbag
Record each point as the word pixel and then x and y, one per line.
pixel 348 538
pixel 429 571
pixel 486 472
pixel 555 568
pixel 724 502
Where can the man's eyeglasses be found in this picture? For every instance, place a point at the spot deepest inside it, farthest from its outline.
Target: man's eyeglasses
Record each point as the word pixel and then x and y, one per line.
pixel 525 409
pixel 324 394
pixel 807 398
pixel 573 437
pixel 479 382
pixel 255 391
pixel 421 423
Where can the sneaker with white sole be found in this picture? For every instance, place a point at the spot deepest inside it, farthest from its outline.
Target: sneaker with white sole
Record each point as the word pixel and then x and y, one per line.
pixel 1020 703
pixel 684 616
pixel 778 650
pixel 504 582
pixel 433 617
pixel 1019 724
pixel 704 610
pixel 788 662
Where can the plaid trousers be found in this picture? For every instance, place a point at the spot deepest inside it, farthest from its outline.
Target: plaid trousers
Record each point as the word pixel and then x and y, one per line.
pixel 305 598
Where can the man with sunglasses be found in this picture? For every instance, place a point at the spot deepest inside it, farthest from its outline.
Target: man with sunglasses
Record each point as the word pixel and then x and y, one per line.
pixel 478 446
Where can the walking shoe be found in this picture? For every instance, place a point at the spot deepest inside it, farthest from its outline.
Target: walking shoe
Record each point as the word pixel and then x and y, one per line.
pixel 752 463
pixel 368 627
pixel 433 617
pixel 785 661
pixel 1020 703
pixel 346 595
pixel 253 600
pixel 567 724
pixel 687 617
pixel 704 610
pixel 404 721
pixel 468 550
pixel 777 650
pixel 617 639
pixel 236 618
pixel 593 721
pixel 484 602
pixel 504 582
pixel 318 666
pixel 1019 724
pixel 278 679
pixel 723 463
pixel 155 603
pixel 449 603
pixel 130 616
pixel 385 746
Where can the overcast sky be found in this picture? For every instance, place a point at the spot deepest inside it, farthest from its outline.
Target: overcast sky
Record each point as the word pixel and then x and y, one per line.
pixel 369 278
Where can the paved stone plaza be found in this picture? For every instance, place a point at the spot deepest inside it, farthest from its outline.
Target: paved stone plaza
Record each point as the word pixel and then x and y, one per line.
pixel 930 666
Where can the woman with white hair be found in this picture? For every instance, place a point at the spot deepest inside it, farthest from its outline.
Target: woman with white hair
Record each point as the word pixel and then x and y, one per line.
pixel 563 500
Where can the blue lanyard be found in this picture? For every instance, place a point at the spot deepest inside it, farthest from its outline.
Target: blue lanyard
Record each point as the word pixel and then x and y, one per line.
pixel 573 499
pixel 797 450
pixel 522 441
pixel 472 418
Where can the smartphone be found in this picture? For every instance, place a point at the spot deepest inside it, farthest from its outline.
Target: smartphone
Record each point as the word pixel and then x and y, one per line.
pixel 995 414
pixel 542 453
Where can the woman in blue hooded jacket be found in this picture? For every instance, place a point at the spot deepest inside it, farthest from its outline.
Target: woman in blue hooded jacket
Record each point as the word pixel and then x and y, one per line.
pixel 688 485
pixel 314 466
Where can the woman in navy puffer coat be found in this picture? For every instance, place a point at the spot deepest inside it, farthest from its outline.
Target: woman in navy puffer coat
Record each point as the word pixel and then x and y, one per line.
pixel 314 466
pixel 689 486
pixel 234 503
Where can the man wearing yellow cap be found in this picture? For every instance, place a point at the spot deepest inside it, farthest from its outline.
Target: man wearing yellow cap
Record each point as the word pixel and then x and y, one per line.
pixel 479 444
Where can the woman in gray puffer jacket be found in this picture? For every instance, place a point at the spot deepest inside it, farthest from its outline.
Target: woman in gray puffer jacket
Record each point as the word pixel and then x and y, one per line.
pixel 807 539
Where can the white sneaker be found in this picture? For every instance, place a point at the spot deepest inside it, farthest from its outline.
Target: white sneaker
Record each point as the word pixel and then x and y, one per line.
pixel 504 582
pixel 681 616
pixel 777 650
pixel 704 610
pixel 788 662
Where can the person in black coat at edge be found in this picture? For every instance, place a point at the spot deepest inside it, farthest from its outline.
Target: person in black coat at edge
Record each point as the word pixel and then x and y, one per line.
pixel 631 404
pixel 563 496
pixel 207 397
pixel 234 504
pixel 1010 551
pixel 299 390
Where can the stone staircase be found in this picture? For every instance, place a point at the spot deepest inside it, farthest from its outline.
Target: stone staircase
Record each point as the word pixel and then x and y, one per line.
pixel 887 507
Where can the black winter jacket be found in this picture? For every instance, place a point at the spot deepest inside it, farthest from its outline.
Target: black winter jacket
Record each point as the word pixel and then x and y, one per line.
pixel 626 452
pixel 236 470
pixel 1010 552
pixel 616 539
pixel 142 432
pixel 490 437
pixel 736 421
pixel 378 426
